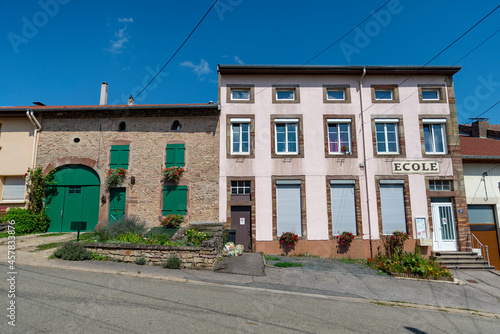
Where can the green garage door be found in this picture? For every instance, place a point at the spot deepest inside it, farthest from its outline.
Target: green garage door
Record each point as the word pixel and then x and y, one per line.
pixel 75 197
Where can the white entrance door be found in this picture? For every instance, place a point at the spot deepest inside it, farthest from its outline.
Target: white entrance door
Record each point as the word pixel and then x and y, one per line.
pixel 445 237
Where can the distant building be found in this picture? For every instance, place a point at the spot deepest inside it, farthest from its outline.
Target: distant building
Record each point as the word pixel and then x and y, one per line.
pixel 319 150
pixel 481 158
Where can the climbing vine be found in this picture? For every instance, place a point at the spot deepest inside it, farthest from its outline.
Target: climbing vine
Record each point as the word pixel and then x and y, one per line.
pixel 36 187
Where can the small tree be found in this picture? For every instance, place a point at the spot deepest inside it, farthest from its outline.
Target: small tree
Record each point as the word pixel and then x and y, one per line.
pixel 36 187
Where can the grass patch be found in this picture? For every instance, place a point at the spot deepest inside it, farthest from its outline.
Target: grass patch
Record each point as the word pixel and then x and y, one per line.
pixel 4 235
pixel 351 261
pixel 271 258
pixel 47 246
pixel 304 255
pixel 52 234
pixel 288 264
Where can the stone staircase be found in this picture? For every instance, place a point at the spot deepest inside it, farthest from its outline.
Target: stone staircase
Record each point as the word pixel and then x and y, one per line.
pixel 462 260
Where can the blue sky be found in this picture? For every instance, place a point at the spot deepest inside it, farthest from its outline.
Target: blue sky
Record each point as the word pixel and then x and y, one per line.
pixel 59 51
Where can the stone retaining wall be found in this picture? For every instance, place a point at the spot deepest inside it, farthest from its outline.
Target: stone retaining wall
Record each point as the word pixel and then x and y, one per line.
pixel 191 257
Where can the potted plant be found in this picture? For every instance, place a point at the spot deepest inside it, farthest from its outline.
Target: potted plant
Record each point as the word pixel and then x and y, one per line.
pixel 288 240
pixel 172 221
pixel 345 238
pixel 115 176
pixel 173 173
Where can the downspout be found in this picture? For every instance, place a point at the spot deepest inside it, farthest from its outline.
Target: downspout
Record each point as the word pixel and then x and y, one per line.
pixel 364 159
pixel 38 127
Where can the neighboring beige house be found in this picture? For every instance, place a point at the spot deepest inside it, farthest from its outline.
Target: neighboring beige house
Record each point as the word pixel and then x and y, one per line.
pixel 18 136
pixel 319 150
pixel 480 144
pixel 83 142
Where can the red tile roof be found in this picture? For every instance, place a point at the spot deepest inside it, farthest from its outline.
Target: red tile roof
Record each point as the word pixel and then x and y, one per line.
pixel 480 147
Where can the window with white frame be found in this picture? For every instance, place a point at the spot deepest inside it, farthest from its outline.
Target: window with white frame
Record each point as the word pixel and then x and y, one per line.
pixel 430 94
pixel 288 207
pixel 384 94
pixel 286 136
pixel 392 205
pixel 339 136
pixel 435 136
pixel 387 136
pixel 240 94
pixel 335 94
pixel 240 136
pixel 439 185
pixel 240 187
pixel 285 94
pixel 13 188
pixel 343 205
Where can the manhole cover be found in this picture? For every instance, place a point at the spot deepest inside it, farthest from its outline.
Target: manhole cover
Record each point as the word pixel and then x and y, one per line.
pixel 471 281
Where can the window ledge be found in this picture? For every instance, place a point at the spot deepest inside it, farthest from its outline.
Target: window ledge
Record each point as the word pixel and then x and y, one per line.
pixel 12 202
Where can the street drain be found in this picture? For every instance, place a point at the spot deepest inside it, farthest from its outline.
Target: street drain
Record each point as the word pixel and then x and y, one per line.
pixel 471 281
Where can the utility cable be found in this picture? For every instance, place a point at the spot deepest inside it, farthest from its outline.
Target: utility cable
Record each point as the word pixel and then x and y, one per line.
pixel 178 49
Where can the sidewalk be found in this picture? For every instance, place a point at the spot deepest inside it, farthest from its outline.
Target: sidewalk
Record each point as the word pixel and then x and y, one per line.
pixel 479 290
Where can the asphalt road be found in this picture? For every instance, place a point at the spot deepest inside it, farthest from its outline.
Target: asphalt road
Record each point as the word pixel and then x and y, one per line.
pixel 62 301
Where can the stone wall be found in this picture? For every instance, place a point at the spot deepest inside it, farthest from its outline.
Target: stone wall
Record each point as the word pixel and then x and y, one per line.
pixel 191 257
pixel 86 137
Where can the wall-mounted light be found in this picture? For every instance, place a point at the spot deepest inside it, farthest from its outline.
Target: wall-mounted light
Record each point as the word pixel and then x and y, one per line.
pixel 362 165
pixel 103 199
pixel 132 180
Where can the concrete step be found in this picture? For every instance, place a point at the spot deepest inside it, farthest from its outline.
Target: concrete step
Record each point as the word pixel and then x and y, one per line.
pixel 462 260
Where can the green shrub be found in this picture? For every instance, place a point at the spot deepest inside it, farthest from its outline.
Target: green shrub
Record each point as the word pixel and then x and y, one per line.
pixel 73 251
pixel 288 264
pixel 132 238
pixel 196 237
pixel 409 263
pixel 159 239
pixel 172 263
pixel 140 261
pixel 101 233
pixel 130 224
pixel 27 222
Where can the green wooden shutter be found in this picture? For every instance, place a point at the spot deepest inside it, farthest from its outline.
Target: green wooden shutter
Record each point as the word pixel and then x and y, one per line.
pixel 175 155
pixel 175 200
pixel 119 156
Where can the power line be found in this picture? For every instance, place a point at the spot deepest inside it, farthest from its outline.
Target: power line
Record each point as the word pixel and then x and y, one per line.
pixel 178 49
pixel 465 33
pixel 439 53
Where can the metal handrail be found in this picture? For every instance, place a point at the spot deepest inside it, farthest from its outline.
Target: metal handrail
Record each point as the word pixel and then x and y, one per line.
pixel 483 248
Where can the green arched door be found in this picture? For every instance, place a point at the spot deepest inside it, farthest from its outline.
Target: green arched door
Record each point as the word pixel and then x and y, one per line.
pixel 75 197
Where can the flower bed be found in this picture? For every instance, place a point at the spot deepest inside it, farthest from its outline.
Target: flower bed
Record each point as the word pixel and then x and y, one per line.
pixel 204 257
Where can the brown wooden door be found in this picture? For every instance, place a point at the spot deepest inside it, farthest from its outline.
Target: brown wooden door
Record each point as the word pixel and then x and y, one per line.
pixel 241 222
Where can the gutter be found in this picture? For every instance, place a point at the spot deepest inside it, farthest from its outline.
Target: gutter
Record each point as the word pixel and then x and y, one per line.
pixel 365 160
pixel 38 127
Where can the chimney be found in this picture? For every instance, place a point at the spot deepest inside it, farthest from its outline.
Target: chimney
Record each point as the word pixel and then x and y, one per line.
pixel 480 129
pixel 104 94
pixel 130 100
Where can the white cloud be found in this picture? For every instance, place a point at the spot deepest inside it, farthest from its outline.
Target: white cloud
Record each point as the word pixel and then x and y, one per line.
pixel 119 44
pixel 201 69
pixel 238 60
pixel 126 19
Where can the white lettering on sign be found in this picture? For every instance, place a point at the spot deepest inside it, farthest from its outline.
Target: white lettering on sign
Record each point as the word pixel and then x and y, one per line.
pixel 242 221
pixel 410 167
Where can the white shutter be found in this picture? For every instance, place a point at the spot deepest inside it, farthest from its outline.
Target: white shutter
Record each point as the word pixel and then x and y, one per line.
pixel 13 188
pixel 343 208
pixel 393 208
pixel 288 209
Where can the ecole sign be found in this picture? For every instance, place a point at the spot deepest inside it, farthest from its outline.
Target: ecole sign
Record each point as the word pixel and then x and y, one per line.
pixel 409 167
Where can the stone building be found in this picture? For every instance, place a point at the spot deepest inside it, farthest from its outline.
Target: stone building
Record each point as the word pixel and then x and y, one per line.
pixel 83 142
pixel 319 150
